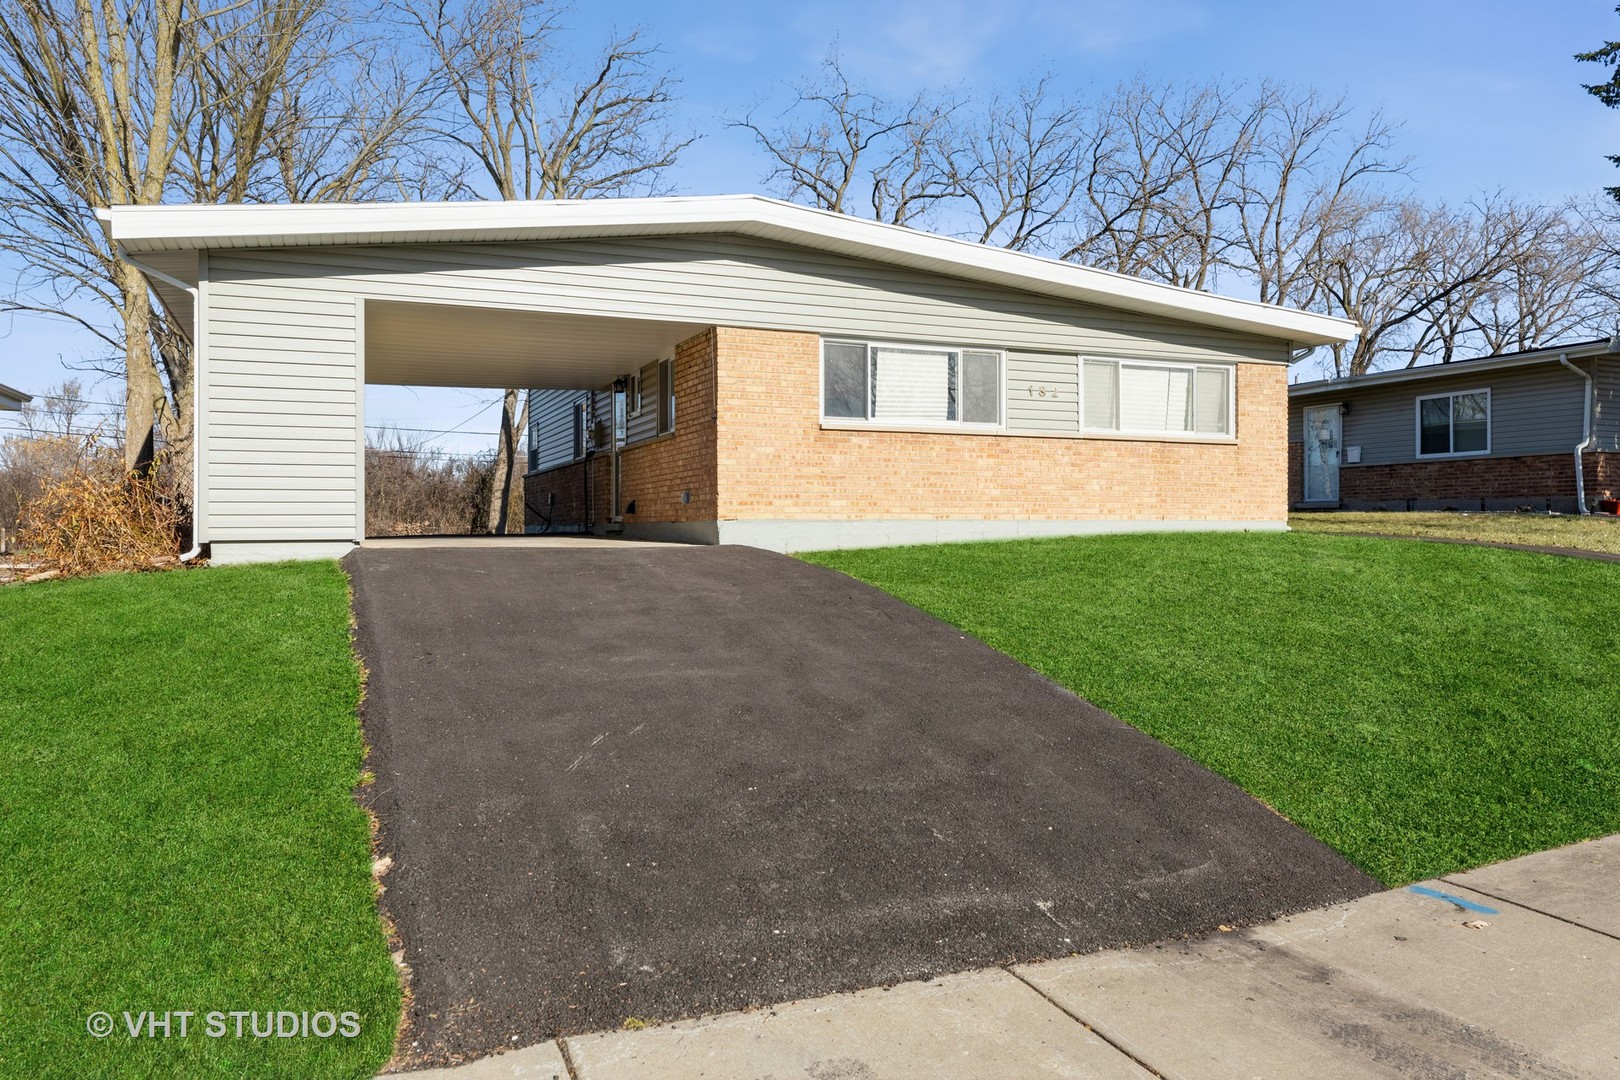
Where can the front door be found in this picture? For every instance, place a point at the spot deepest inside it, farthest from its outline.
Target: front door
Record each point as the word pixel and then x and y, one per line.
pixel 1322 438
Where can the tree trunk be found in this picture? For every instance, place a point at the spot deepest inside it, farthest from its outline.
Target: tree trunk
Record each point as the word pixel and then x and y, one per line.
pixel 500 488
pixel 144 396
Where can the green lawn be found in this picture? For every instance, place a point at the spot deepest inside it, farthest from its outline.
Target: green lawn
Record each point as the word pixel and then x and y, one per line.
pixel 1421 707
pixel 178 830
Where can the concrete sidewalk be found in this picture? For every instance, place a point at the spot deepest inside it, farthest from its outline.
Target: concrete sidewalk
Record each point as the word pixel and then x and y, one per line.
pixel 1511 970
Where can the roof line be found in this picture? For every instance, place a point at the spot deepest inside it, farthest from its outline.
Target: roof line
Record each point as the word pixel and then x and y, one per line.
pixel 171 227
pixel 1495 362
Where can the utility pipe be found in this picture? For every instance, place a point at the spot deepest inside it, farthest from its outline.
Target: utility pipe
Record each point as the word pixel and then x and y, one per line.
pixel 196 417
pixel 1586 432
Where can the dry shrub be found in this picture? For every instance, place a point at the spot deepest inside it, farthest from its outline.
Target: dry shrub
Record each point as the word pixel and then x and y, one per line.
pixel 412 490
pixel 95 519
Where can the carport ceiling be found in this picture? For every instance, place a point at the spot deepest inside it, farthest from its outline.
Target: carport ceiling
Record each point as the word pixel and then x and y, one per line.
pixel 452 345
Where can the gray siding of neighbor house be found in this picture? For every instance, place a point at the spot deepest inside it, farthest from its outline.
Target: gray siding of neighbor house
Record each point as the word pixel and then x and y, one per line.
pixel 1606 426
pixel 1534 410
pixel 283 332
pixel 551 427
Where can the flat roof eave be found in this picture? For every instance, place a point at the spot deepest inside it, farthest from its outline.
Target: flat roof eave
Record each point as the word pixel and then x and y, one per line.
pixel 151 229
pixel 1575 351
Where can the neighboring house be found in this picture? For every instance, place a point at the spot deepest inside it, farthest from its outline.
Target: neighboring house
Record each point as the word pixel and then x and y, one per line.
pixel 1493 433
pixel 782 376
pixel 12 400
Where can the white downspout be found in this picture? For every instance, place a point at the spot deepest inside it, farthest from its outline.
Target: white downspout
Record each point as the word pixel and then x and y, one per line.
pixel 1586 432
pixel 196 417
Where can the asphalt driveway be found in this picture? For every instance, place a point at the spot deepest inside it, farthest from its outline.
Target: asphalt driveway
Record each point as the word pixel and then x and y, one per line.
pixel 653 782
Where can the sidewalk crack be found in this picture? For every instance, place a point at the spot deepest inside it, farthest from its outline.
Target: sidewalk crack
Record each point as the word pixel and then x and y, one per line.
pixel 568 1058
pixel 1082 1021
pixel 1530 907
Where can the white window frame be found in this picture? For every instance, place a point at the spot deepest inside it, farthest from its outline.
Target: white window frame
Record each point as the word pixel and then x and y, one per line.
pixel 1417 425
pixel 1192 366
pixel 872 345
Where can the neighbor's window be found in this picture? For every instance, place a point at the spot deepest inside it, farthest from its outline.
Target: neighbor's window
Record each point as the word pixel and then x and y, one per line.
pixel 1143 398
pixel 1457 423
pixel 910 384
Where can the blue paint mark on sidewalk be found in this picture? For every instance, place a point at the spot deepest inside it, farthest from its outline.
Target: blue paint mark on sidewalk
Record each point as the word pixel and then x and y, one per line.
pixel 1459 901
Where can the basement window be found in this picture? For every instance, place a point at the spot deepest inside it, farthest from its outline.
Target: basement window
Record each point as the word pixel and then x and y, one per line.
pixel 911 385
pixel 1455 424
pixel 1142 397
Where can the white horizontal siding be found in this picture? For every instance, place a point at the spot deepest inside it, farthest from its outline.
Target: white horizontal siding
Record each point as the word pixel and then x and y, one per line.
pixel 282 432
pixel 1043 392
pixel 737 281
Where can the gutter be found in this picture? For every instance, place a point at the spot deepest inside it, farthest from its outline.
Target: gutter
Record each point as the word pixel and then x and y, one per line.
pixel 1586 429
pixel 196 412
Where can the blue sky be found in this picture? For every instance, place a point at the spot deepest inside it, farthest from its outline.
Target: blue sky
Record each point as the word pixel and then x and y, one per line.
pixel 1486 94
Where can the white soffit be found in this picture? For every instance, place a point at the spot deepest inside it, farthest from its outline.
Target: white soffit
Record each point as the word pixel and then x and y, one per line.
pixel 149 229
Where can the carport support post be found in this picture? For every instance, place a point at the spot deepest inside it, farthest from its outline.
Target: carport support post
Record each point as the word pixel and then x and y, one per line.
pixel 360 420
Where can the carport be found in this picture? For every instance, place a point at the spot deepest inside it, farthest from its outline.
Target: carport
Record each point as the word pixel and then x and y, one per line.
pixel 281 437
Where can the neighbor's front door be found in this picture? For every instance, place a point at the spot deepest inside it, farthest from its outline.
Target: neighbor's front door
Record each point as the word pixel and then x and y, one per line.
pixel 1322 437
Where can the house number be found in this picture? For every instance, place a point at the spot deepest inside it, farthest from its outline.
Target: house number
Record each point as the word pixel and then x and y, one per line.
pixel 1044 391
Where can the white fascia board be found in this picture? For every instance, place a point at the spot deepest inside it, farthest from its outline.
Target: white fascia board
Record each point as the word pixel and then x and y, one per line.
pixel 1457 367
pixel 156 228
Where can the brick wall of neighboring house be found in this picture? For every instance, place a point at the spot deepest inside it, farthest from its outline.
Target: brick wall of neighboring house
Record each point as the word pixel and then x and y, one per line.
pixel 566 485
pixel 1469 483
pixel 776 462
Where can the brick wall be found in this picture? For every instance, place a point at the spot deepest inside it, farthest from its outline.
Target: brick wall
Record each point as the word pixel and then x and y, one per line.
pixel 774 460
pixel 566 486
pixel 672 478
pixel 1497 482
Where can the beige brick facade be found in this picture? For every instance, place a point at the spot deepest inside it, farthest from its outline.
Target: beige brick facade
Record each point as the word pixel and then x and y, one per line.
pixel 672 478
pixel 749 445
pixel 777 462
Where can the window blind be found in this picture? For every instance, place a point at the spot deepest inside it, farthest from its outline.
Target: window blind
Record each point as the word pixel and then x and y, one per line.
pixel 1211 393
pixel 912 384
pixel 1102 394
pixel 1155 398
pixel 981 388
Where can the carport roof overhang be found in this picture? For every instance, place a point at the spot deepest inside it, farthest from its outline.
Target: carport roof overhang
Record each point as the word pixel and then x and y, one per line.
pixel 412 344
pixel 158 233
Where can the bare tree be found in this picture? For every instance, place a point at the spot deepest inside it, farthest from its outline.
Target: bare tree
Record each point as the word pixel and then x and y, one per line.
pixel 114 102
pixel 537 128
pixel 1308 182
pixel 1402 268
pixel 87 121
pixel 835 147
pixel 1553 281
pixel 1019 166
